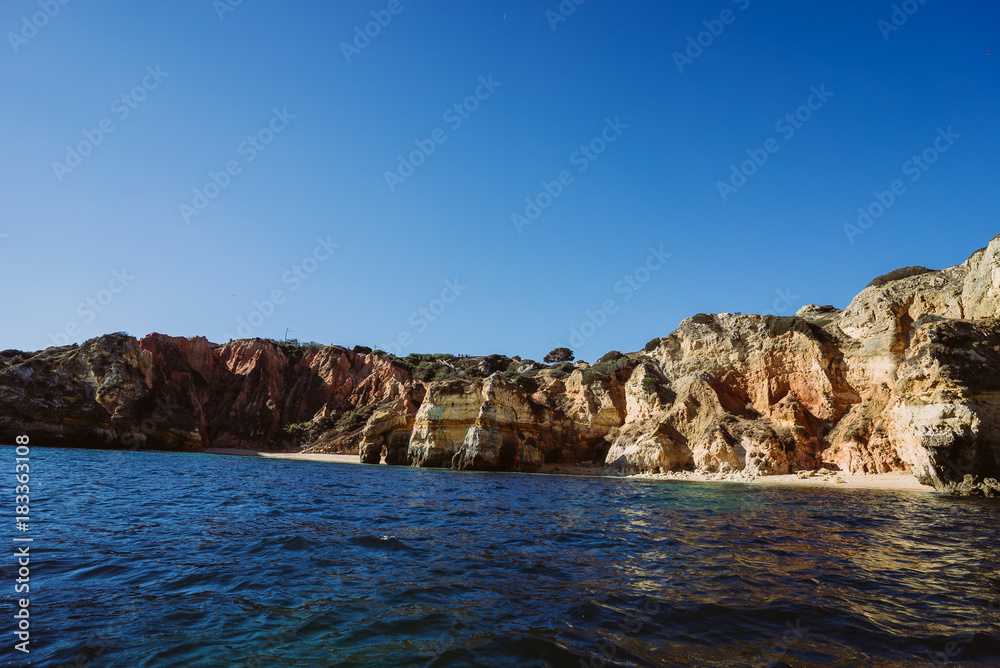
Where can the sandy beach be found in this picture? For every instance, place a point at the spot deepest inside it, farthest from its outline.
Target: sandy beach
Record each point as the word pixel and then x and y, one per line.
pixel 315 457
pixel 836 479
pixel 832 479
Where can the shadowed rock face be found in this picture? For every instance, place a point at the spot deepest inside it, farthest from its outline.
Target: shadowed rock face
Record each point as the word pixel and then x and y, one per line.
pixel 907 377
pixel 173 393
pixel 388 432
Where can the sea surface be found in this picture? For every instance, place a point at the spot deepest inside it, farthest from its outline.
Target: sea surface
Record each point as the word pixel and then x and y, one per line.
pixel 157 559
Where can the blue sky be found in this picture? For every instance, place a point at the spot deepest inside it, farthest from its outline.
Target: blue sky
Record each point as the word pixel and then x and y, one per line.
pixel 433 262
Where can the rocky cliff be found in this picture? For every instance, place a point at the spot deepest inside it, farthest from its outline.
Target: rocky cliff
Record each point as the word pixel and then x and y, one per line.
pixel 163 392
pixel 905 378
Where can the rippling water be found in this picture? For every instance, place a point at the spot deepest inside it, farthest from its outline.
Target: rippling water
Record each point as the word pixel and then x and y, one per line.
pixel 155 559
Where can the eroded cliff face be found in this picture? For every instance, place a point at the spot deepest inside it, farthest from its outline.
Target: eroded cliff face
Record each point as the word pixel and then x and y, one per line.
pixel 498 425
pixel 173 393
pixel 907 377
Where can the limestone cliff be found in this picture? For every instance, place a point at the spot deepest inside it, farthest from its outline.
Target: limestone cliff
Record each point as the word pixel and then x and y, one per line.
pixel 904 378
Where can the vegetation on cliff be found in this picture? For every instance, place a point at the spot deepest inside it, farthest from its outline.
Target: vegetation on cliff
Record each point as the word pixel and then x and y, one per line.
pixel 904 378
pixel 898 275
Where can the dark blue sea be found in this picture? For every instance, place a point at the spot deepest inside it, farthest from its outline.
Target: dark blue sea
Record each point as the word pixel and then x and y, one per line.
pixel 154 559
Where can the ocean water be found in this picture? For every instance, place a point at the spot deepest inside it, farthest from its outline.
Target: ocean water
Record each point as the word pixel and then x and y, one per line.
pixel 159 559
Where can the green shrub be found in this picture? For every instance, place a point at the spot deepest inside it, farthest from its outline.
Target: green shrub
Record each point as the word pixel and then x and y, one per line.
pixel 608 367
pixel 333 425
pixel 559 355
pixel 297 428
pixel 355 419
pixel 652 345
pixel 609 357
pixel 898 275
pixel 526 383
pixel 664 392
pixel 531 372
pixel 418 358
pixel 441 366
pixel 562 370
pixel 424 371
pixel 786 437
pixel 649 385
pixel 494 363
pixel 433 370
pixel 778 325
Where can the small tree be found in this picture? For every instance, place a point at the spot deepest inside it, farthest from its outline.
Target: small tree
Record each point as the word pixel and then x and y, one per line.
pixel 559 355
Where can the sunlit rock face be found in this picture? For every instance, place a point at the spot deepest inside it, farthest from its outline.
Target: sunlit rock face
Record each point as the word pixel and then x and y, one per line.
pixel 906 377
pixel 490 425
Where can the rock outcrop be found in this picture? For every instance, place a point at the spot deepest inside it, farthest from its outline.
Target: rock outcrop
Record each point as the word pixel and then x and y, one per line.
pixel 387 431
pixel 487 425
pixel 173 393
pixel 906 377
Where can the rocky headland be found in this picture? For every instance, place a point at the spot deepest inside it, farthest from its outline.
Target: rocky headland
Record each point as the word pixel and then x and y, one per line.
pixel 906 378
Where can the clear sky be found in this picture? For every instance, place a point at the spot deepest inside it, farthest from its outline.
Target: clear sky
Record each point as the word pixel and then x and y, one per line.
pixel 116 112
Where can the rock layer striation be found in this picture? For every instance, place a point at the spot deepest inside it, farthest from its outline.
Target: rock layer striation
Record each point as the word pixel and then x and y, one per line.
pixel 907 377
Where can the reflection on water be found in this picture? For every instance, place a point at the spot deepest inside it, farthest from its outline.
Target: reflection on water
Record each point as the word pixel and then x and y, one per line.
pixel 199 560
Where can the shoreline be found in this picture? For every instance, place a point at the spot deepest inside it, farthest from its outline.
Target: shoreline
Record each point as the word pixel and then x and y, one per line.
pixel 898 482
